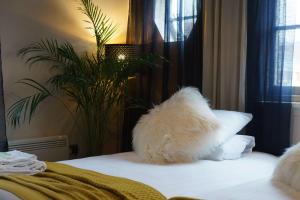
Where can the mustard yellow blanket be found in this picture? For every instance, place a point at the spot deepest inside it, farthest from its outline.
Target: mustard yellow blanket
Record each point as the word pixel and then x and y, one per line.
pixel 63 182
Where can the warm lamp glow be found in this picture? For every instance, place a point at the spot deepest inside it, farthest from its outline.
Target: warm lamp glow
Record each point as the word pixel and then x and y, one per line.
pixel 121 57
pixel 68 20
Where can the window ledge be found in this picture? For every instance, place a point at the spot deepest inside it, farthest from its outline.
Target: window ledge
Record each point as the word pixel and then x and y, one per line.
pixel 296 99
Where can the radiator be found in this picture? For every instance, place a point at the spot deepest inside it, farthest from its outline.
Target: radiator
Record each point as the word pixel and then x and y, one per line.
pixel 54 148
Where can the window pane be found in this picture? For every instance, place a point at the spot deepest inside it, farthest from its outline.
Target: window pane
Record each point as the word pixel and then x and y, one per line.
pixel 189 7
pixel 296 60
pixel 288 12
pixel 159 16
pixel 185 7
pixel 289 53
pixel 283 58
pixel 188 26
pixel 181 19
pixel 174 8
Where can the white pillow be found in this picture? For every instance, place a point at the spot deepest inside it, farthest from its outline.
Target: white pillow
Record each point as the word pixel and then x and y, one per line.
pixel 231 122
pixel 234 148
pixel 178 130
pixel 287 170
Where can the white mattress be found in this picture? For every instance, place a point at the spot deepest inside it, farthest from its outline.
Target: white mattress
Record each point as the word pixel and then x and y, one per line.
pixel 235 179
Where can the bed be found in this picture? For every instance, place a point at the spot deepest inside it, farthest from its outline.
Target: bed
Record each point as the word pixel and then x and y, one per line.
pixel 245 178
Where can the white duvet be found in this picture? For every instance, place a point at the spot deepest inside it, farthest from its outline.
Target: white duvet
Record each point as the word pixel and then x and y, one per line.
pixel 245 178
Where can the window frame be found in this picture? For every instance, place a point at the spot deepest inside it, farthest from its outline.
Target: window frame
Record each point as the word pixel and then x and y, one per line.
pixel 296 93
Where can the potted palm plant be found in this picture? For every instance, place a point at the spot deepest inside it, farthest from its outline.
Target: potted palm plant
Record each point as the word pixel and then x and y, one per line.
pixel 94 82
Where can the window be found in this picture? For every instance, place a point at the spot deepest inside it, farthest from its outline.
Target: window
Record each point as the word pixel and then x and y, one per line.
pixel 289 26
pixel 175 21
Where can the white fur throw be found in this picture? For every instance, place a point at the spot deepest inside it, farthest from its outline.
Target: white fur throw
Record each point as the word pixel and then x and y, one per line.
pixel 288 168
pixel 178 130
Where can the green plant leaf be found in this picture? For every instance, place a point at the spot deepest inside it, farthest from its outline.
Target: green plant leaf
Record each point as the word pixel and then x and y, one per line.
pixel 26 106
pixel 98 22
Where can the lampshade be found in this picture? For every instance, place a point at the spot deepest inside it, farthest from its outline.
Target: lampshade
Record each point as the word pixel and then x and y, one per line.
pixel 122 51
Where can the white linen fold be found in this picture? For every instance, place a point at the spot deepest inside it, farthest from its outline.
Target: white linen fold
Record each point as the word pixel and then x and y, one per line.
pixel 234 148
pixel 17 162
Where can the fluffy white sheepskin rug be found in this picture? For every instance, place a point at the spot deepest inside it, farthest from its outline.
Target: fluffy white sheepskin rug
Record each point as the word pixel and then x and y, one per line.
pixel 288 168
pixel 178 130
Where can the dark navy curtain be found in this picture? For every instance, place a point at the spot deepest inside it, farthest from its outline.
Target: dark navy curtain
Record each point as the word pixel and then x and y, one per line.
pixel 3 138
pixel 173 30
pixel 269 74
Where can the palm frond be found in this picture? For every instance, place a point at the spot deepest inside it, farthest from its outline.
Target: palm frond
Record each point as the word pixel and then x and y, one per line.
pixel 98 22
pixel 26 107
pixel 34 84
pixel 49 50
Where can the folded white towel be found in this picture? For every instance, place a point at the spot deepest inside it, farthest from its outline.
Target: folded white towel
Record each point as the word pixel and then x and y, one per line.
pixel 13 162
pixel 15 157
pixel 234 148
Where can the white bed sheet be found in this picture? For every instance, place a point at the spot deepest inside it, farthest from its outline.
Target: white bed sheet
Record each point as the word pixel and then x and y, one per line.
pixel 262 189
pixel 191 180
pixel 202 179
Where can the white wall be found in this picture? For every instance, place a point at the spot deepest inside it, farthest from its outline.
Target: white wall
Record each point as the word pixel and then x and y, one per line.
pixel 26 21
